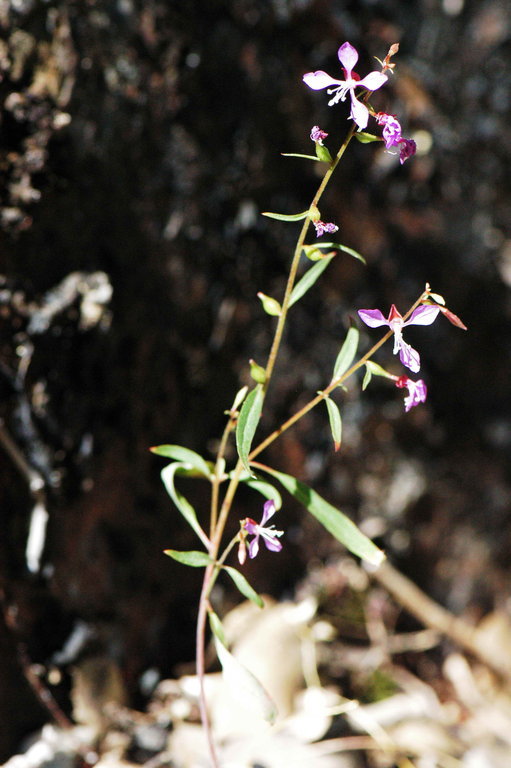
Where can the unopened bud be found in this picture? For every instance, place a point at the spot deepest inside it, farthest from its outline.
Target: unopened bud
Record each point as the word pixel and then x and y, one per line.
pixel 271 306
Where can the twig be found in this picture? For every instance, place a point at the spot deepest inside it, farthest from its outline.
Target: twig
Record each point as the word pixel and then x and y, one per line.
pixel 41 690
pixel 436 617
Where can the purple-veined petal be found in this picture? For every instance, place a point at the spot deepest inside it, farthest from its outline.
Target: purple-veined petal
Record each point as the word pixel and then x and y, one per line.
pixel 348 56
pixel 318 80
pixel 272 543
pixel 372 317
pixel 359 112
pixel 268 511
pixel 409 357
pixel 253 548
pixel 423 315
pixel 373 81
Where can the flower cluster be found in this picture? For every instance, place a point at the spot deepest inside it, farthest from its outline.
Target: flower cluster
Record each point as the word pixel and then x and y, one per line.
pixel 348 57
pixel 425 314
pixel 392 136
pixel 359 113
pixel 317 135
pixel 321 227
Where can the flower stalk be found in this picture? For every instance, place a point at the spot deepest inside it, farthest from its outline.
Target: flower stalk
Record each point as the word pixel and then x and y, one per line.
pixel 423 312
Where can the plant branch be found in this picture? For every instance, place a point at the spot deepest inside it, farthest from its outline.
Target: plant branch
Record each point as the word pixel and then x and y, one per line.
pixel 333 385
pixel 296 260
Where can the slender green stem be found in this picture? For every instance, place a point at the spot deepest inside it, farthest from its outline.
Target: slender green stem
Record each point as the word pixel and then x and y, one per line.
pixel 217 476
pixel 201 666
pixel 272 357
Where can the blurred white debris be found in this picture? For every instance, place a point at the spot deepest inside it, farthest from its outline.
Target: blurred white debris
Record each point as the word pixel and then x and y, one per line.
pixel 36 537
pixel 53 747
pixel 94 290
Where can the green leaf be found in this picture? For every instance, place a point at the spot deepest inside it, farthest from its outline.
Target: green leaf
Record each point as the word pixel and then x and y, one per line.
pixel 295 154
pixel 216 626
pixel 286 216
pixel 193 558
pixel 347 353
pixel 247 423
pixel 323 153
pixel 366 138
pixel 309 278
pixel 373 369
pixel 265 489
pixel 184 455
pixel 168 476
pixel 340 526
pixel 244 686
pixel 368 375
pixel 377 370
pixel 334 415
pixel 343 248
pixel 243 586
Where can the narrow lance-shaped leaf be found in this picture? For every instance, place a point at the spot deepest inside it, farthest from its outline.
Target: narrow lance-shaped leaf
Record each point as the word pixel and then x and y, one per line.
pixel 343 248
pixel 247 423
pixel 244 686
pixel 368 375
pixel 193 558
pixel 347 353
pixel 216 626
pixel 373 369
pixel 366 138
pixel 309 278
pixel 185 455
pixel 243 586
pixel 264 488
pixel 340 526
pixel 168 476
pixel 286 216
pixel 334 416
pixel 296 154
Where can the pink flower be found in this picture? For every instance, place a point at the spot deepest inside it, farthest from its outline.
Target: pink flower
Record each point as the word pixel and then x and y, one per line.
pixel 322 227
pixel 257 530
pixel 417 391
pixel 348 57
pixel 317 135
pixel 391 129
pixel 425 314
pixel 392 136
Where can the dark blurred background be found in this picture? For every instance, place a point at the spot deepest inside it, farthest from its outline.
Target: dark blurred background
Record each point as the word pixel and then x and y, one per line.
pixel 140 139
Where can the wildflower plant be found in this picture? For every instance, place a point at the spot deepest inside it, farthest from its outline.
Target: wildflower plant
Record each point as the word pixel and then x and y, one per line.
pixel 242 419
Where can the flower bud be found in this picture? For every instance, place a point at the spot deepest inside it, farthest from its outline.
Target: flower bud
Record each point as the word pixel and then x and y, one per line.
pixel 271 306
pixel 257 372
